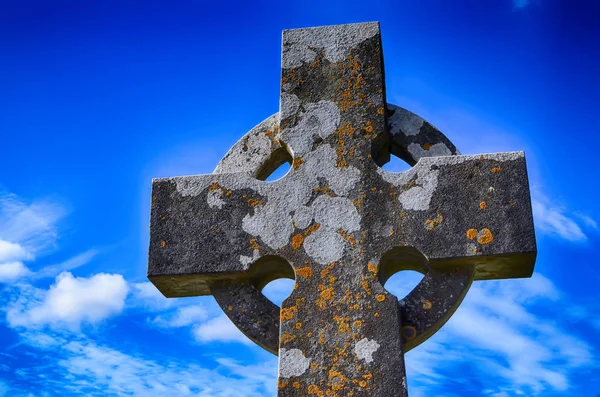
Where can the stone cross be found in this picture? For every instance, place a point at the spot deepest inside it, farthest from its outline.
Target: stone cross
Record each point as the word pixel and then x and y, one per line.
pixel 339 224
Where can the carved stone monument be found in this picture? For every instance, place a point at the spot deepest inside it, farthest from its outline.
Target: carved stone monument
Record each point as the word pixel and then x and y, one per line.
pixel 339 224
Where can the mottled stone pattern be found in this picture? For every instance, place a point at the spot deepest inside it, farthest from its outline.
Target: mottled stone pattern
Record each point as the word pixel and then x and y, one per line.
pixel 339 224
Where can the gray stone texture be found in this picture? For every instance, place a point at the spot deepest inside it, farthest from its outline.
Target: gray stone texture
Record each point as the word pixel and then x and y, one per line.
pixel 339 224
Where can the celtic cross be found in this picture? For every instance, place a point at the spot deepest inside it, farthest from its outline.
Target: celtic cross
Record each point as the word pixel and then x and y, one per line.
pixel 339 224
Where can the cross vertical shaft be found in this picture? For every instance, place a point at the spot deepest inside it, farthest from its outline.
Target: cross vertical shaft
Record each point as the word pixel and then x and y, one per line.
pixel 334 335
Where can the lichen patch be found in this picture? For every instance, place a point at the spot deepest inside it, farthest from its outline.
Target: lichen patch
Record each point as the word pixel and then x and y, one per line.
pixel 292 362
pixel 365 348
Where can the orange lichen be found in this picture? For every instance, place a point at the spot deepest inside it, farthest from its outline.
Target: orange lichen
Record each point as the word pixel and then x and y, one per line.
pixel 427 305
pixel 287 313
pixel 357 323
pixel 358 82
pixel 311 229
pixel 429 224
pixel 362 383
pixel 344 130
pixel 432 223
pixel 365 285
pixel 214 186
pixel 379 110
pixel 297 241
pixel 297 162
pixel 471 234
pixel 230 308
pixel 496 169
pixel 327 293
pixel 298 325
pixel 337 379
pixel 346 236
pixel 483 205
pixel 322 339
pixel 485 236
pixel 253 244
pixel 372 268
pixel 252 202
pixel 304 272
pixel 314 389
pixel 427 146
pixel 343 327
pixel 163 243
pixel 324 190
pixel 282 384
pixel 380 297
pixel 286 338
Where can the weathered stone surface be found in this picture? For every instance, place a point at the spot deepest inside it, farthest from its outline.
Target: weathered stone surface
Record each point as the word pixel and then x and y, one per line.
pixel 339 224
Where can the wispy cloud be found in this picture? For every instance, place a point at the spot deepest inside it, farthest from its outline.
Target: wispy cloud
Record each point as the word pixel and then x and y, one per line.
pixel 147 296
pixel 202 316
pixel 79 366
pixel 26 230
pixel 31 225
pixel 219 329
pixel 497 333
pixel 183 316
pixel 555 220
pixel 70 264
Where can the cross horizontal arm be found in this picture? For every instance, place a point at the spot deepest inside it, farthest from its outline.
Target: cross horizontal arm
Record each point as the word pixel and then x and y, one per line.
pixel 200 230
pixel 462 210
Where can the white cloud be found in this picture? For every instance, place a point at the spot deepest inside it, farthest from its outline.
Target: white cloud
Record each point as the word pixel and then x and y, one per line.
pixel 12 271
pixel 219 329
pixel 71 301
pixel 148 296
pixel 12 251
pixel 554 220
pixel 202 315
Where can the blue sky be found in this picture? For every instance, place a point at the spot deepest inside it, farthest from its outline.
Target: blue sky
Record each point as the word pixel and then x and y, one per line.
pixel 99 97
